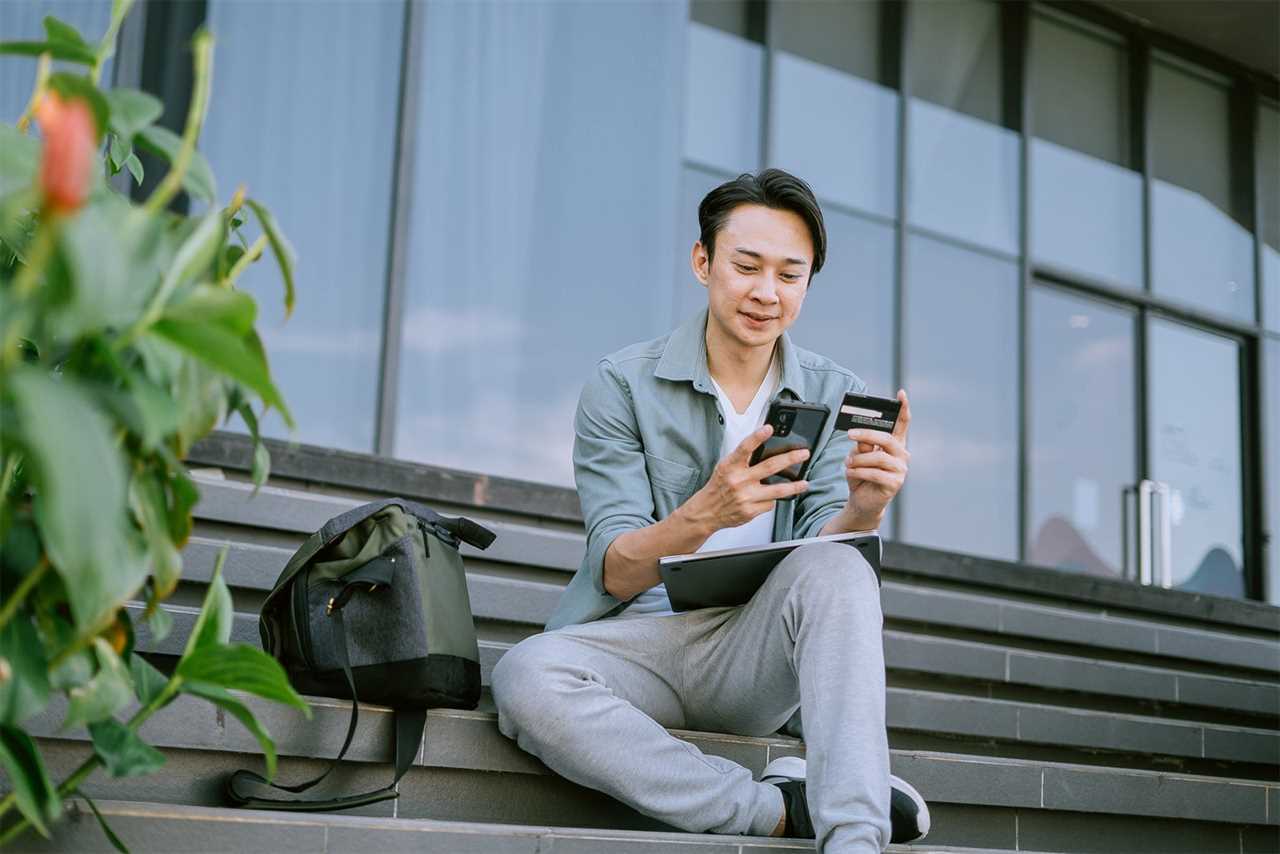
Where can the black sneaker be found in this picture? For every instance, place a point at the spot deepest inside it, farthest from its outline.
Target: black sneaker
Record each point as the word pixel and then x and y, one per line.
pixel 908 813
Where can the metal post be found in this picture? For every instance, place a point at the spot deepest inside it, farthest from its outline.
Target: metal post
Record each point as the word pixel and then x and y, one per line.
pixel 1144 531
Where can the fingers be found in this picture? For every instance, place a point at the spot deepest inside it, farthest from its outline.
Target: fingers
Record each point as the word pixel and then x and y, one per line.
pixel 748 445
pixel 904 418
pixel 775 491
pixel 876 460
pixel 890 442
pixel 778 462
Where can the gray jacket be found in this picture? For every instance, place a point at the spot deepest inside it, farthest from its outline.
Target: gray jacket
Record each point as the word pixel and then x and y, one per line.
pixel 648 430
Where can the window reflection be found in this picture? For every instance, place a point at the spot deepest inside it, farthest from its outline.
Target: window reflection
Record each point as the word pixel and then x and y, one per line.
pixel 961 357
pixel 963 161
pixel 1086 198
pixel 722 99
pixel 1202 252
pixel 326 173
pixel 831 120
pixel 1194 441
pixel 1082 431
pixel 541 230
pixel 1269 186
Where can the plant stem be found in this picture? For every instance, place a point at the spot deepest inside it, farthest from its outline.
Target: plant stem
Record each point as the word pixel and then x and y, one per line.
pixel 41 251
pixel 253 253
pixel 10 470
pixel 107 47
pixel 26 586
pixel 87 767
pixel 37 92
pixel 202 46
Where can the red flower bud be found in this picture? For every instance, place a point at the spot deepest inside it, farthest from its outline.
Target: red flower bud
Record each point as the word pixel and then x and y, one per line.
pixel 69 142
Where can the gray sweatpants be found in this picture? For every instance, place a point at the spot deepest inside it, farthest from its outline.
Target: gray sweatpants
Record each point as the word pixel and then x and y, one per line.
pixel 592 700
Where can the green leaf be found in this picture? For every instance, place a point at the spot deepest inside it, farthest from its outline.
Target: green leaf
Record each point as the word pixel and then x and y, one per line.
pixel 183 496
pixel 64 51
pixel 229 353
pixel 116 154
pixel 143 407
pixel 148 502
pixel 147 681
pixel 60 31
pixel 80 488
pixel 223 698
pixel 134 165
pixel 19 160
pixel 280 248
pixel 34 791
pixel 261 456
pixel 123 753
pixel 131 111
pixel 194 255
pixel 213 627
pixel 106 693
pixel 243 667
pixel 159 623
pixel 163 142
pixel 102 822
pixel 232 309
pixel 71 86
pixel 25 691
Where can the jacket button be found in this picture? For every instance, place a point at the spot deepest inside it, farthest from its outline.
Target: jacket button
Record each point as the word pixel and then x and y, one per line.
pixel 720 418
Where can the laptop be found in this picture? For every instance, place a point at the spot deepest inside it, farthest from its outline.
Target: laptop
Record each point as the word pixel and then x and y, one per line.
pixel 732 576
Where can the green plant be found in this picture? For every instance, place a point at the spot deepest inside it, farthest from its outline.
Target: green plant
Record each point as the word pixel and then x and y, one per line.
pixel 123 340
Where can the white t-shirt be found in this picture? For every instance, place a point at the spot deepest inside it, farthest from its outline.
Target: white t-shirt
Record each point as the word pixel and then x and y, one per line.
pixel 757 531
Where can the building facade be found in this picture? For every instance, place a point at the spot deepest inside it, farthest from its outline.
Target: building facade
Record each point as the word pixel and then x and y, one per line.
pixel 1057 226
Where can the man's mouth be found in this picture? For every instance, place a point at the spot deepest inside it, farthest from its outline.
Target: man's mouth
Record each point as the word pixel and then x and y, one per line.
pixel 760 317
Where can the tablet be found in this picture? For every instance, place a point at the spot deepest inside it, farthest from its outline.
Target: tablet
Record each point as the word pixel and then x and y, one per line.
pixel 732 576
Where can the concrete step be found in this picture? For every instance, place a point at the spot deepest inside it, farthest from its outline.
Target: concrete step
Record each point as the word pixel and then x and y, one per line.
pixel 169 829
pixel 467 771
pixel 906 653
pixel 256 567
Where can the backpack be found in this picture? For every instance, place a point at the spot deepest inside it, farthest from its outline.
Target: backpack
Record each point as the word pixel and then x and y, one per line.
pixel 374 607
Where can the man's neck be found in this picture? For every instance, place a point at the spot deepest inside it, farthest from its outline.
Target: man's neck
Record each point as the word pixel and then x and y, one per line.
pixel 733 365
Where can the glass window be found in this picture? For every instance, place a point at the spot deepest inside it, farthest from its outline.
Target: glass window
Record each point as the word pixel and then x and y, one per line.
pixel 962 162
pixel 1081 381
pixel 1086 199
pixel 546 170
pixel 831 121
pixel 722 96
pixel 1269 186
pixel 1271 397
pixel 962 377
pixel 318 149
pixel 23 20
pixel 1194 441
pixel 1202 252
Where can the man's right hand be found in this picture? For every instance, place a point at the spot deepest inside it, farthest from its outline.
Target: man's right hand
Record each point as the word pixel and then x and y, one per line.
pixel 734 495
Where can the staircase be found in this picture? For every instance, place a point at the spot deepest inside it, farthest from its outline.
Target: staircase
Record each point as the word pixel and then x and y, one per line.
pixel 1035 710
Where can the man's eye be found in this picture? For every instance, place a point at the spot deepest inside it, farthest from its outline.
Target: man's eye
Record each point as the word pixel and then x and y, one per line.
pixel 746 269
pixel 791 277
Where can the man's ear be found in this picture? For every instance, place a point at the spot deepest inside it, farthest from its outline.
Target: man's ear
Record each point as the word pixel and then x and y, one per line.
pixel 700 261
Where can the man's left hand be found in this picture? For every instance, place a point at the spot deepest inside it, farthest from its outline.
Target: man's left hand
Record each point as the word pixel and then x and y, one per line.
pixel 877 466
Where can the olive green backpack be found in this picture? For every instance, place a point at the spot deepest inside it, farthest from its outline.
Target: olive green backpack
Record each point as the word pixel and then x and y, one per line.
pixel 374 607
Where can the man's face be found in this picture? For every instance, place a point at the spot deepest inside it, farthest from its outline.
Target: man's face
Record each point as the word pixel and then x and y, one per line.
pixel 761 268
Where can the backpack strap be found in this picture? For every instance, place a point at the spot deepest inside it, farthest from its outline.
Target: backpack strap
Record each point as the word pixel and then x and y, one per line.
pixel 409 727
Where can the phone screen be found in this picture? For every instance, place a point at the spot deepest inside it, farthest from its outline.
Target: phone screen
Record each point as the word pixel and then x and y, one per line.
pixel 795 425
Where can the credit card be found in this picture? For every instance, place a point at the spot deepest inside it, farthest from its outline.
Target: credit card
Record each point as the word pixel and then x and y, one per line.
pixel 863 410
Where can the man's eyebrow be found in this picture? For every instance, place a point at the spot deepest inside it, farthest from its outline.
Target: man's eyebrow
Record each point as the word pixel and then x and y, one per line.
pixel 753 254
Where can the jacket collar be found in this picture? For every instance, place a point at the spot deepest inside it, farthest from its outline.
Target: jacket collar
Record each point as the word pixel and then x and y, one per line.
pixel 685 357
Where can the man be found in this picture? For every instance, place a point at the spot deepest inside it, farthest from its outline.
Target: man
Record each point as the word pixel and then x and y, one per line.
pixel 664 432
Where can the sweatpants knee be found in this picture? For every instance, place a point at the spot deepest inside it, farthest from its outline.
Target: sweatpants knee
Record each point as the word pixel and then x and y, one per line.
pixel 831 569
pixel 520 681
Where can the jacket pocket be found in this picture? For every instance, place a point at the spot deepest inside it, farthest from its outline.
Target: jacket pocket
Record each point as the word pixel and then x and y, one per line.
pixel 670 474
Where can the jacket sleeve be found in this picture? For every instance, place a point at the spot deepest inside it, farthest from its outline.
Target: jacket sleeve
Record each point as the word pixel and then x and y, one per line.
pixel 608 466
pixel 828 490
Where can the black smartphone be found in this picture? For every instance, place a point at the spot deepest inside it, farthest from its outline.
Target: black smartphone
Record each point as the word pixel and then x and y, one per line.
pixel 795 425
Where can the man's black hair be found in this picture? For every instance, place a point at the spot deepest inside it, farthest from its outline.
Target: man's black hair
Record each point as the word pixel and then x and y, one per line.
pixel 772 188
